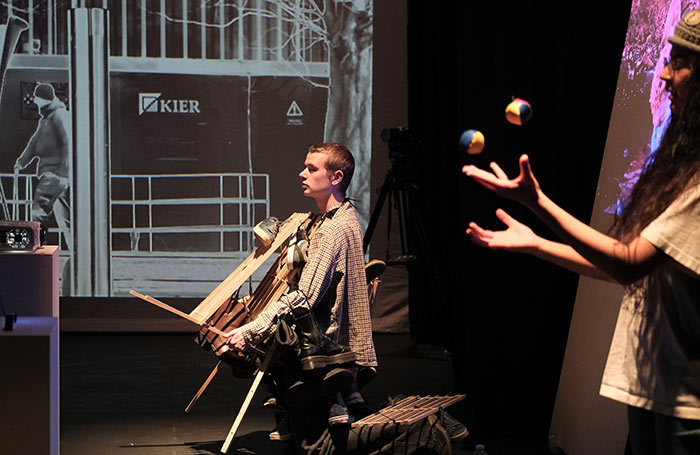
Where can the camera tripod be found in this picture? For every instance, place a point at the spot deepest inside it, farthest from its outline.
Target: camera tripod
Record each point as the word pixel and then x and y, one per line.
pixel 400 190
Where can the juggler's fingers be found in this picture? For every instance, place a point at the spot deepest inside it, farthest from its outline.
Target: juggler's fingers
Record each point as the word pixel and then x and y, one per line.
pixel 498 171
pixel 476 230
pixel 525 168
pixel 504 217
pixel 474 237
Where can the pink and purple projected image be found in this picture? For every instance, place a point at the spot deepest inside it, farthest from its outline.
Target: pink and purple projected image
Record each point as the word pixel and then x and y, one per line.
pixel 642 109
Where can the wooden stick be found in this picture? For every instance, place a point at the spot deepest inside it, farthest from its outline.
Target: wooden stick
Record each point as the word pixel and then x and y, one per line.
pixel 175 311
pixel 235 280
pixel 253 388
pixel 204 386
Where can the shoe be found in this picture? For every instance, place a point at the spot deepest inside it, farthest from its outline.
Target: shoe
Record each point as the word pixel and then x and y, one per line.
pixel 455 429
pixel 317 350
pixel 338 415
pixel 374 268
pixel 266 230
pixel 297 254
pixel 281 431
pixel 439 441
pixel 272 404
pixel 307 391
pixel 365 376
pixel 360 410
pixel 301 255
pixel 335 380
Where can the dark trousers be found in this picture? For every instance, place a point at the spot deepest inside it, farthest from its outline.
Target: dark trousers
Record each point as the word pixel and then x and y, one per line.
pixel 652 433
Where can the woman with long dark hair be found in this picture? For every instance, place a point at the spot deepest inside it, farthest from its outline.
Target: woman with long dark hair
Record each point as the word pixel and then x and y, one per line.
pixel 653 249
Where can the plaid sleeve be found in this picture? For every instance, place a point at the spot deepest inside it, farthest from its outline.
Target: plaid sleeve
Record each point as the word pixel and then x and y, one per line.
pixel 313 283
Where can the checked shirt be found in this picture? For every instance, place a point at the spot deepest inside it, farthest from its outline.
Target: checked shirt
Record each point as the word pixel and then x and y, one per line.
pixel 333 283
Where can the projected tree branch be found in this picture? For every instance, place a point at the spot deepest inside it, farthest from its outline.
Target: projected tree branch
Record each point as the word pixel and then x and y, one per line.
pixel 332 31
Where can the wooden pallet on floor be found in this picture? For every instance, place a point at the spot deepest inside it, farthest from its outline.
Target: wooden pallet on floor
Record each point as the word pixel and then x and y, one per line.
pixel 409 410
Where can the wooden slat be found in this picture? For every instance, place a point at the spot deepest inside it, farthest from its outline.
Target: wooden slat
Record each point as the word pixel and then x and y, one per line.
pixel 173 310
pixel 409 410
pixel 238 277
pixel 244 407
pixel 203 387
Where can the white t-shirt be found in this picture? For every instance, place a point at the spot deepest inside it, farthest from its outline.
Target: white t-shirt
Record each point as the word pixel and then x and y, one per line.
pixel 654 358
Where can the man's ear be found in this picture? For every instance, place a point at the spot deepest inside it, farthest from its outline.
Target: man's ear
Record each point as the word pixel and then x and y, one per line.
pixel 337 177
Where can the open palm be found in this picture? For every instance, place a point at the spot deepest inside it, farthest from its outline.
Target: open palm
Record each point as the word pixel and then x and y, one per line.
pixel 516 237
pixel 523 188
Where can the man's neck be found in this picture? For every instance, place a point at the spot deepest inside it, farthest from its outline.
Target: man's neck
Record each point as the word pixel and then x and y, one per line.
pixel 326 203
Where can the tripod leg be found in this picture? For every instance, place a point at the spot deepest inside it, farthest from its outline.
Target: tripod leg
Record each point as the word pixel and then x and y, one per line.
pixel 424 247
pixel 404 215
pixel 386 186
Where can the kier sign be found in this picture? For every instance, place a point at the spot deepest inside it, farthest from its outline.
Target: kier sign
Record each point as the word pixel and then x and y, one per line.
pixel 152 102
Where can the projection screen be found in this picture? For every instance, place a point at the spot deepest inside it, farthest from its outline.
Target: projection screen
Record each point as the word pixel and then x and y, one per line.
pixel 209 108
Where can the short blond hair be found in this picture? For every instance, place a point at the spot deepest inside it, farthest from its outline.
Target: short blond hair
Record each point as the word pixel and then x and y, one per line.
pixel 339 159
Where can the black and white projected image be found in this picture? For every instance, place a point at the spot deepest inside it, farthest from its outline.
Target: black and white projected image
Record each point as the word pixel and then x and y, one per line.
pixel 187 126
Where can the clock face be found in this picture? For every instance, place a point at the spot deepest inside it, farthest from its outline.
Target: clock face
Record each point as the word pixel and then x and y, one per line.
pixel 18 237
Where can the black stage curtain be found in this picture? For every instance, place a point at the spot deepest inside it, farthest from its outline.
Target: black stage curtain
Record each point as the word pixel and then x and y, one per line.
pixel 505 317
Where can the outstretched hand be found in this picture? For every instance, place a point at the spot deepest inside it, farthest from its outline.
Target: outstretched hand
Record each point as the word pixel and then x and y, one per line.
pixel 523 188
pixel 517 237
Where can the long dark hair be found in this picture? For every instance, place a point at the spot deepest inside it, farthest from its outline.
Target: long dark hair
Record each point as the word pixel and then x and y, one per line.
pixel 674 165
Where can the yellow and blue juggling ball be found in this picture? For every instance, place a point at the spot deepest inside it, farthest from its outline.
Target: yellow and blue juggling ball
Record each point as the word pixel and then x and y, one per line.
pixel 472 141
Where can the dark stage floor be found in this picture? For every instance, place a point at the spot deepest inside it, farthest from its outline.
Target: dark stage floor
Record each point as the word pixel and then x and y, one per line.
pixel 126 394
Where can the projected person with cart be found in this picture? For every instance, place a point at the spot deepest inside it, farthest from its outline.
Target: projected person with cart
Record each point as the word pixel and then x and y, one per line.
pixel 50 147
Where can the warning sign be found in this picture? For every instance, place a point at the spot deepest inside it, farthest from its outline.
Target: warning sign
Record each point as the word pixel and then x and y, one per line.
pixel 294 115
pixel 294 110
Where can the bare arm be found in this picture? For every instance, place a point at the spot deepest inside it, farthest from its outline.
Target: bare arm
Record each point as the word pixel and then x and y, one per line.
pixel 622 262
pixel 521 239
pixel 626 262
pixel 565 256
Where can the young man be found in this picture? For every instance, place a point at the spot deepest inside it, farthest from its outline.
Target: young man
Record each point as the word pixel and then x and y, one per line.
pixel 333 280
pixel 333 283
pixel 331 300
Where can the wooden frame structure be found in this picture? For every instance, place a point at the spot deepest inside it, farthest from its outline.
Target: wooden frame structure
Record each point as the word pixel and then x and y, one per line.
pixel 270 289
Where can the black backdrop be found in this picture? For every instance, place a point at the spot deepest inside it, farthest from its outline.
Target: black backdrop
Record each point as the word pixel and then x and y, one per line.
pixel 507 316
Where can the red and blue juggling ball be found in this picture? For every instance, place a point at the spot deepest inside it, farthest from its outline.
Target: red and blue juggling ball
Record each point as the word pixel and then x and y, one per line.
pixel 518 111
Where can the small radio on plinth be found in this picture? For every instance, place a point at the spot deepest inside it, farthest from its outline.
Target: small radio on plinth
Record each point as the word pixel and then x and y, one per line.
pixel 21 235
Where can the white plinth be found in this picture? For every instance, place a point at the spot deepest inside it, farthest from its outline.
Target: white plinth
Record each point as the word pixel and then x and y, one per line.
pixel 29 282
pixel 29 404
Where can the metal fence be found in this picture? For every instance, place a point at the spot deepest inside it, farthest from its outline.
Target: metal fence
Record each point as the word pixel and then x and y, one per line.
pixel 159 213
pixel 233 30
